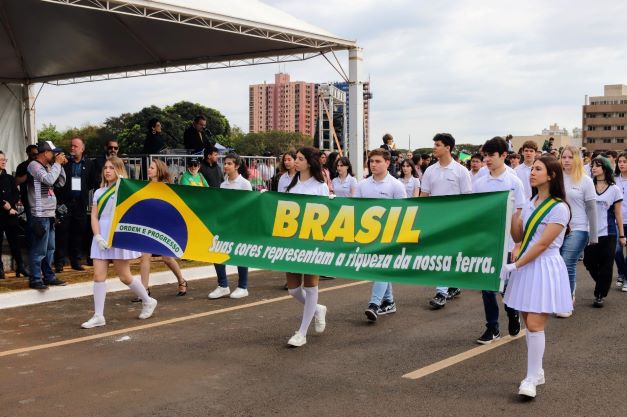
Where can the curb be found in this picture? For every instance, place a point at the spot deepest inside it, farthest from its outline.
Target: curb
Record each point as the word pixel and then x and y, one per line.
pixel 83 289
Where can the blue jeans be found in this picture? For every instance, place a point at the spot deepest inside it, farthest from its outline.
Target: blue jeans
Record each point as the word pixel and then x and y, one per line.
pixel 381 291
pixel 621 261
pixel 223 281
pixel 41 252
pixel 574 244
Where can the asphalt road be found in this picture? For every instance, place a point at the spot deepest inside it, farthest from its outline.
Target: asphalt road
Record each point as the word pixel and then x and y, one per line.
pixel 200 357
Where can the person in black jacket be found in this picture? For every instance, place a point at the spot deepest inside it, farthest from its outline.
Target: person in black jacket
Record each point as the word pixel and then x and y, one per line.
pixel 154 142
pixel 195 137
pixel 73 200
pixel 9 197
pixel 210 169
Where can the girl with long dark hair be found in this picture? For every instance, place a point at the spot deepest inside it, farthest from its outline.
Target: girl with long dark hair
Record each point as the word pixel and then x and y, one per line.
pixel 303 287
pixel 409 178
pixel 539 285
pixel 287 167
pixel 599 258
pixel 344 184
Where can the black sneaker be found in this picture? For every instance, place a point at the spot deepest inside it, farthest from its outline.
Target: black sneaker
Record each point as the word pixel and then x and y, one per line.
pixel 514 324
pixel 489 336
pixel 598 302
pixel 452 293
pixel 56 282
pixel 438 301
pixel 372 312
pixel 38 285
pixel 387 307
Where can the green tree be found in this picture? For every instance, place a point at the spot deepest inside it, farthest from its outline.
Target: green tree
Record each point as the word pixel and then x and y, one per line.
pixel 49 132
pixel 274 142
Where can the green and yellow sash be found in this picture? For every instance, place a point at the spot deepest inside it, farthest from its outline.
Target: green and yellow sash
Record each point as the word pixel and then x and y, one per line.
pixel 104 198
pixel 534 221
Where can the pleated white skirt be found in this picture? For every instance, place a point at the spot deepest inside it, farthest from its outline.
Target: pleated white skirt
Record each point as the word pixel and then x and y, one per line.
pixel 112 253
pixel 541 286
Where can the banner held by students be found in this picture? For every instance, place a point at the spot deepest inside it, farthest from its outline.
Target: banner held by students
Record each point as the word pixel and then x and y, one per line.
pixel 458 241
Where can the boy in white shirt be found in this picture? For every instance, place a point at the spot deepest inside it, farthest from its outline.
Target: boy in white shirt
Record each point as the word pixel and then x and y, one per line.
pixel 445 177
pixel 523 170
pixel 380 185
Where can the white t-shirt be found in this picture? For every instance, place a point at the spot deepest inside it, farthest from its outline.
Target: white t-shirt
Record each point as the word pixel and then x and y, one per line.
pixel 507 181
pixel 284 181
pixel 576 197
pixel 412 184
pixel 343 188
pixel 483 171
pixel 558 215
pixel 388 187
pixel 449 180
pixel 310 187
pixel 524 172
pixel 606 222
pixel 622 184
pixel 239 183
pixel 587 169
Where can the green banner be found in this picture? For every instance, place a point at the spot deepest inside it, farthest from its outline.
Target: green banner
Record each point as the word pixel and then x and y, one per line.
pixel 456 241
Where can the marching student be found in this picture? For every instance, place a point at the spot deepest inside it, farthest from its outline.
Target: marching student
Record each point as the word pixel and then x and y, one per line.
pixel 101 216
pixel 599 258
pixel 445 177
pixel 529 149
pixel 158 172
pixel 287 166
pixel 621 181
pixel 409 178
pixel 304 287
pixel 581 198
pixel 498 179
pixel 381 184
pixel 234 180
pixel 345 184
pixel 538 285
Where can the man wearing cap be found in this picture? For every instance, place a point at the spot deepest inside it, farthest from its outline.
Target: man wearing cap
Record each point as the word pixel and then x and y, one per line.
pixel 192 176
pixel 46 172
pixel 74 195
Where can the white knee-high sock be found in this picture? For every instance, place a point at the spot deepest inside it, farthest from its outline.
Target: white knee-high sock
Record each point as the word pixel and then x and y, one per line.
pixel 535 353
pixel 311 302
pixel 100 293
pixel 138 288
pixel 298 293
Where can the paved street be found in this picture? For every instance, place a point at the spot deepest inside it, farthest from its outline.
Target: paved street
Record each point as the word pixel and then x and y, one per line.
pixel 200 357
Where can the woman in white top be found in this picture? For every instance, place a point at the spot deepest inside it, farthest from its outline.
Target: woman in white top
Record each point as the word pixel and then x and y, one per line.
pixel 344 185
pixel 158 172
pixel 581 198
pixel 235 172
pixel 325 171
pixel 621 182
pixel 409 178
pixel 287 167
pixel 304 287
pixel 599 258
pixel 538 285
pixel 102 210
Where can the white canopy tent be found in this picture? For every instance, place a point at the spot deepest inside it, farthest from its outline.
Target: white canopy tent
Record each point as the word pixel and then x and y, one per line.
pixel 72 41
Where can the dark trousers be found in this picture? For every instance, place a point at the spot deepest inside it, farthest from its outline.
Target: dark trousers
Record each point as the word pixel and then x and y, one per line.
pixel 70 236
pixel 599 261
pixel 10 227
pixel 491 308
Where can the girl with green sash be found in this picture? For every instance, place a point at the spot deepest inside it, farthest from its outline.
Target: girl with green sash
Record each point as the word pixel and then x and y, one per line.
pixel 101 217
pixel 538 284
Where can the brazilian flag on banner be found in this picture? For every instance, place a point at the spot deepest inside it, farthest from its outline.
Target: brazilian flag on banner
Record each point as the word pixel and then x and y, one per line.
pixel 457 241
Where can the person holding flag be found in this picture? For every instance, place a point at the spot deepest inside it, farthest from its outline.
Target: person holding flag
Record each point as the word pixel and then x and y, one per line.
pixel 101 217
pixel 539 284
pixel 499 179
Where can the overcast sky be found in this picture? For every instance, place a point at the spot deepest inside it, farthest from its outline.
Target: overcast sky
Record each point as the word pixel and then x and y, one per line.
pixel 475 69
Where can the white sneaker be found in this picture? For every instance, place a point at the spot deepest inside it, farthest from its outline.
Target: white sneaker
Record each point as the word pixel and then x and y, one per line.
pixel 564 315
pixel 297 340
pixel 624 289
pixel 148 308
pixel 540 379
pixel 320 318
pixel 527 388
pixel 219 292
pixel 238 293
pixel 95 321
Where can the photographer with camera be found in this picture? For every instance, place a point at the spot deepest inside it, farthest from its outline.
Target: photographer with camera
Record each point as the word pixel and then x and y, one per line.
pixel 46 174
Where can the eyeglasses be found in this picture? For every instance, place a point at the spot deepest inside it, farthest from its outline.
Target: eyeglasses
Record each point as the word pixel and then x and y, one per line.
pixel 113 148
